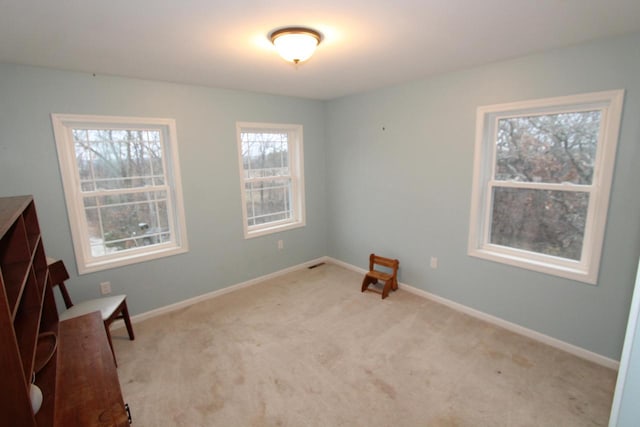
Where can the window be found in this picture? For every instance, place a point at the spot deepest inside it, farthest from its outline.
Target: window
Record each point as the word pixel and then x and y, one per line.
pixel 271 177
pixel 122 187
pixel 542 175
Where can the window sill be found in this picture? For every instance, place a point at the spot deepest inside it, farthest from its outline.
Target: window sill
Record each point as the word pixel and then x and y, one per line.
pixel 250 234
pixel 99 265
pixel 539 263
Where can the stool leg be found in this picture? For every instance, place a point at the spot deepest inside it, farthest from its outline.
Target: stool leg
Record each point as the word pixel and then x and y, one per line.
pixel 106 328
pixel 367 281
pixel 387 288
pixel 127 320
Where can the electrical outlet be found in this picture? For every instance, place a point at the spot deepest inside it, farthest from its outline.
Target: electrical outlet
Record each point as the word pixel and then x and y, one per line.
pixel 434 262
pixel 105 288
pixel 280 245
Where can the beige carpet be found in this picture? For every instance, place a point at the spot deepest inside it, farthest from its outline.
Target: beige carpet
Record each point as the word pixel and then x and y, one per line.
pixel 309 349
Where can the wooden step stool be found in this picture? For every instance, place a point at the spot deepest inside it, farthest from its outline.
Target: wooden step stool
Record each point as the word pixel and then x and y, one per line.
pixel 390 279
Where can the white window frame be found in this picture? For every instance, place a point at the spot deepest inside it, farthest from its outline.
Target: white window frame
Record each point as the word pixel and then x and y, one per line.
pixel 609 103
pixel 63 126
pixel 296 167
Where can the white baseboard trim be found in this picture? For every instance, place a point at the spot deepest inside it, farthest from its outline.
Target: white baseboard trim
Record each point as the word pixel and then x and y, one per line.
pixel 190 301
pixel 513 327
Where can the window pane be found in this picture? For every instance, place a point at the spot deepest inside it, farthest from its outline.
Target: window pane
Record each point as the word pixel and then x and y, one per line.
pixel 265 154
pixel 110 159
pixel 95 233
pixel 127 221
pixel 543 221
pixel 551 148
pixel 268 201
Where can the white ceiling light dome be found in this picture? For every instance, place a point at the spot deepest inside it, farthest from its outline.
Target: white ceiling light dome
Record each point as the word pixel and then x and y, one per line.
pixel 295 44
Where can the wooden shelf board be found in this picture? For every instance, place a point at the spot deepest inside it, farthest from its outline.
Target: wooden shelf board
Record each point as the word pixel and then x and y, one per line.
pixel 10 209
pixel 15 278
pixel 27 336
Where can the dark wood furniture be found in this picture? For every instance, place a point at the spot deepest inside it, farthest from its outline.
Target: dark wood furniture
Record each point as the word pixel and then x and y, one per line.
pixel 87 390
pixel 111 308
pixel 390 279
pixel 27 311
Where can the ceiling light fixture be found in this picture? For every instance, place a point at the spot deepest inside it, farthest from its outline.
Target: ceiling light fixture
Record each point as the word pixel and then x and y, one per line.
pixel 295 44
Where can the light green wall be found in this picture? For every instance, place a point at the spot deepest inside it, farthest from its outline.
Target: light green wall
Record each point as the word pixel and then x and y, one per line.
pixel 403 191
pixel 399 179
pixel 219 255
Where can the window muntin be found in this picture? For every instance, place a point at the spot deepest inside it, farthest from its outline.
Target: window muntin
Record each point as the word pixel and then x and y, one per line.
pixel 543 170
pixel 122 187
pixel 271 177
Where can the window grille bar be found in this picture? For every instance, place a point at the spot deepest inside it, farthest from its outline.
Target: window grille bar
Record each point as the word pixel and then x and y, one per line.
pixel 125 191
pixel 257 190
pixel 272 214
pixel 526 185
pixel 268 178
pixel 116 205
pixel 120 178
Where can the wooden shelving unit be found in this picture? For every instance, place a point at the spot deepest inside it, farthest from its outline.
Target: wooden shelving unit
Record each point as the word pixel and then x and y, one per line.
pixel 27 310
pixel 23 275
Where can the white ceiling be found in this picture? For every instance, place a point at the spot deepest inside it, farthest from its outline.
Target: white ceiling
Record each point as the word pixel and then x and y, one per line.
pixel 367 43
